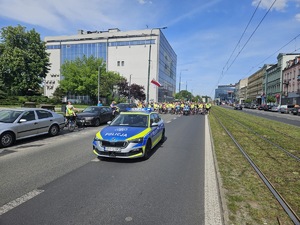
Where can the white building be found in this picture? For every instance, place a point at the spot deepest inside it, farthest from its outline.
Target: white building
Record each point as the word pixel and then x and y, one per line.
pixel 126 52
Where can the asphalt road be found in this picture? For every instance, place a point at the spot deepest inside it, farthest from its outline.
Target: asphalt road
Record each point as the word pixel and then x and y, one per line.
pixel 62 182
pixel 276 116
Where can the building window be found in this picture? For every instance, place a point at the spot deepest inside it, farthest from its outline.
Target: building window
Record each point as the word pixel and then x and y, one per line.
pixel 122 63
pixel 118 63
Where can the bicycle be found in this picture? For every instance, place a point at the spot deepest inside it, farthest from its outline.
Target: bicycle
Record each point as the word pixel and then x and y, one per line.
pixel 71 123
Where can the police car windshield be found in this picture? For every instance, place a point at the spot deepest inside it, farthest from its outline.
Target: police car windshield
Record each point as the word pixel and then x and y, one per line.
pixel 131 120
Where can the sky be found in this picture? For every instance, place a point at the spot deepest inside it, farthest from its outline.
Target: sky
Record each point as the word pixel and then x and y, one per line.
pixel 217 42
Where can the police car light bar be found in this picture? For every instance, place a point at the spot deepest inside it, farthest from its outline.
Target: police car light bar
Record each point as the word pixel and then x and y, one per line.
pixel 140 110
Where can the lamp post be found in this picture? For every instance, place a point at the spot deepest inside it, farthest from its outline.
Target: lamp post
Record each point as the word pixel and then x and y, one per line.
pixel 99 83
pixel 149 60
pixel 129 88
pixel 180 77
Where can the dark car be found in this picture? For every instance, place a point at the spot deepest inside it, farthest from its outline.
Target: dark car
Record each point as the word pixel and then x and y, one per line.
pixel 261 107
pixel 95 115
pixel 267 107
pixel 296 110
pixel 125 107
pixel 238 107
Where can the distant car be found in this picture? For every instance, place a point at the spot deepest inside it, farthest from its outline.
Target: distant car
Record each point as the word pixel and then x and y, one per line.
pixel 238 107
pixel 253 106
pixel 296 110
pixel 275 108
pixel 267 107
pixel 95 115
pixel 130 135
pixel 17 124
pixel 286 108
pixel 261 107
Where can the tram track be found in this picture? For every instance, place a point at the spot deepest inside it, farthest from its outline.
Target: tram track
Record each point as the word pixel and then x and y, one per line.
pixel 271 165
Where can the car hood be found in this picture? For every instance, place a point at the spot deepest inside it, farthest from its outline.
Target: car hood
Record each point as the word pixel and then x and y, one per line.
pixel 86 114
pixel 121 133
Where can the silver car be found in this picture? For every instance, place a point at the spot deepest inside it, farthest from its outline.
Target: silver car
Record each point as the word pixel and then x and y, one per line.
pixel 16 124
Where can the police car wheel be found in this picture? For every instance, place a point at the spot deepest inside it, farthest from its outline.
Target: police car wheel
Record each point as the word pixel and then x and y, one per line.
pixel 147 150
pixel 101 158
pixel 163 136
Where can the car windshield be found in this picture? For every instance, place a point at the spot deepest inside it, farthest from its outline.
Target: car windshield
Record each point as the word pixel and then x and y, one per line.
pixel 131 120
pixel 9 116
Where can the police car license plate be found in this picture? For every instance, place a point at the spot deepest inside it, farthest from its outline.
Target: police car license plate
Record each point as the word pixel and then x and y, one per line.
pixel 112 149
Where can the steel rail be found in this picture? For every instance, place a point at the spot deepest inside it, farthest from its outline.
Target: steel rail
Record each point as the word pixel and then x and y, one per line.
pixel 266 139
pixel 293 216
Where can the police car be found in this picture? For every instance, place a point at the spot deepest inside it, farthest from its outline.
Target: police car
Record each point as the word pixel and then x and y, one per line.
pixel 131 134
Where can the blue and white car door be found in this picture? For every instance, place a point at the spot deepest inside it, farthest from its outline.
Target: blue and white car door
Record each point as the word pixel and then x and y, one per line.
pixel 155 130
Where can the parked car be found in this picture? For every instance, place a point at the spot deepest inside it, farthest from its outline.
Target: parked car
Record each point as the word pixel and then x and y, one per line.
pixel 95 115
pixel 296 110
pixel 17 124
pixel 238 107
pixel 253 106
pixel 267 107
pixel 261 107
pixel 286 108
pixel 275 108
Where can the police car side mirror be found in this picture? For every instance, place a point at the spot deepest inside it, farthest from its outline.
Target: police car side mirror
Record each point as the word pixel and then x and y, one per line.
pixel 154 124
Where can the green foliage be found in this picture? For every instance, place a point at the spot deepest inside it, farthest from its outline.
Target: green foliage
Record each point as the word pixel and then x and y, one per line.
pixel 184 95
pixel 81 77
pixel 24 61
pixel 271 99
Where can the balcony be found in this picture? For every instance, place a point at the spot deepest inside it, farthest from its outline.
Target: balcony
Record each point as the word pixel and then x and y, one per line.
pixel 298 78
pixel 286 81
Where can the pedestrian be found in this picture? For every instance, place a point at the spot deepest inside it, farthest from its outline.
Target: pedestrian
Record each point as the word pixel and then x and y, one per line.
pixel 99 103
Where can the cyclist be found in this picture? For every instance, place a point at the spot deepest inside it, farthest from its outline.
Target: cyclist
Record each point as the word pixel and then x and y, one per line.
pixel 70 114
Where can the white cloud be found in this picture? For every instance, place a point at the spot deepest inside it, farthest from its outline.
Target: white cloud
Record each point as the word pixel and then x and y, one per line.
pixel 298 17
pixel 279 5
pixel 142 2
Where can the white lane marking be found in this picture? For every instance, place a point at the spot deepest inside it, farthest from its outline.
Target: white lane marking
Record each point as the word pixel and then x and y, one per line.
pixel 13 204
pixel 212 201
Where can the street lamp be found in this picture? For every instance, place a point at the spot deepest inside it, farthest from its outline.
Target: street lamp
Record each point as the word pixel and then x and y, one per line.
pixel 129 88
pixel 99 83
pixel 180 78
pixel 149 60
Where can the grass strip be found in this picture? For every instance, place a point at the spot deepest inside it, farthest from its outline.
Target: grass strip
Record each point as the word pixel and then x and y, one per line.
pixel 247 198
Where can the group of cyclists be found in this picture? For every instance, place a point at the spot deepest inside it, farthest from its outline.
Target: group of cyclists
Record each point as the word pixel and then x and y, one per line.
pixel 178 107
pixel 187 108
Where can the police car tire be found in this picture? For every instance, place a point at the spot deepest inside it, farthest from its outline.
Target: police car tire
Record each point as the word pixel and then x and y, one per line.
pixel 101 158
pixel 163 136
pixel 147 150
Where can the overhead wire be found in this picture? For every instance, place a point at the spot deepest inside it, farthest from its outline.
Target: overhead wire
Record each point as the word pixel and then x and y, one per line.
pixel 222 74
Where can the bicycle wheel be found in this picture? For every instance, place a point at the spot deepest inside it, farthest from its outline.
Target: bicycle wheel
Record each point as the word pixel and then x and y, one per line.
pixel 71 126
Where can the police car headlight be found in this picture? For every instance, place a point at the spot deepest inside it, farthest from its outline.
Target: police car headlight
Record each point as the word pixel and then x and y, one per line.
pixel 97 139
pixel 137 140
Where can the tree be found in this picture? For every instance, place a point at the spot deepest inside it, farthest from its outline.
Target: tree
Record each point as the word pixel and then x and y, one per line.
pixel 81 78
pixel 137 92
pixel 271 99
pixel 184 95
pixel 134 90
pixel 24 62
